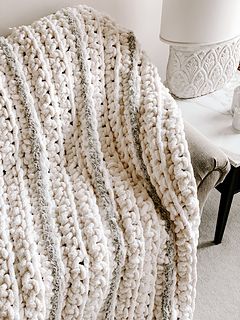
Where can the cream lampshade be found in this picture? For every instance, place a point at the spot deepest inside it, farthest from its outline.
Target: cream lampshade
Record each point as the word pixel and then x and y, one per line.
pixel 204 38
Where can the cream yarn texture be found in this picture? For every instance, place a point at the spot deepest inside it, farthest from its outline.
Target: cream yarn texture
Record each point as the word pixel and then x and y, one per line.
pixel 99 214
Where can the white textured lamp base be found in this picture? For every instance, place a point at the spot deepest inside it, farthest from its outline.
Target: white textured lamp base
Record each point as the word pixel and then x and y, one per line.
pixel 198 70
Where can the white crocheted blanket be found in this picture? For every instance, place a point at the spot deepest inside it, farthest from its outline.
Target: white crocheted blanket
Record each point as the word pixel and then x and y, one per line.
pixel 99 215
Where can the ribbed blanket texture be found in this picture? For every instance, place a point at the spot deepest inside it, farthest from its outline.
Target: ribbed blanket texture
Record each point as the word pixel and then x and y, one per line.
pixel 99 214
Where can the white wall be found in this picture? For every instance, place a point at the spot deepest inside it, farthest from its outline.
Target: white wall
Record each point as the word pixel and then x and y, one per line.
pixel 141 16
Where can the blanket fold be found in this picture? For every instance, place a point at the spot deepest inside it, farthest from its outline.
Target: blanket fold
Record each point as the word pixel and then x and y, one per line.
pixel 99 213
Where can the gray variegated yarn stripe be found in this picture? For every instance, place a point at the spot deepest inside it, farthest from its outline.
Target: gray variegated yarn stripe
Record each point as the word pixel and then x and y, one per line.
pixel 97 164
pixel 133 117
pixel 41 184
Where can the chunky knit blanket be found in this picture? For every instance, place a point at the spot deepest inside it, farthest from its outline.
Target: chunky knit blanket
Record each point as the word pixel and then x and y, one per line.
pixel 99 215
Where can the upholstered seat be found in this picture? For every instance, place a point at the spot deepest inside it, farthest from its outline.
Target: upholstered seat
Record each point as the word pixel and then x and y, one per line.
pixel 209 163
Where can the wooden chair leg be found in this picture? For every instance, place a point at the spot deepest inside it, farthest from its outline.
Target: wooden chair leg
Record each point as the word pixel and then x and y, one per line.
pixel 223 212
pixel 229 187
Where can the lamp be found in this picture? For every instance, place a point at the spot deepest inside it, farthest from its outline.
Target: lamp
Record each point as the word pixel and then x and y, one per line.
pixel 204 38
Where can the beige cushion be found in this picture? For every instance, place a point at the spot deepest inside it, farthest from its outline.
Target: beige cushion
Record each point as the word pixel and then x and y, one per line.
pixel 210 164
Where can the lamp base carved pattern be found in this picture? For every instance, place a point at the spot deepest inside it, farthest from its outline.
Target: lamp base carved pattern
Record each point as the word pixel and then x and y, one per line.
pixel 193 71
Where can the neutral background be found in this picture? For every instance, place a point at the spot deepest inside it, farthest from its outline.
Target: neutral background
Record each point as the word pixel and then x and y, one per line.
pixel 141 16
